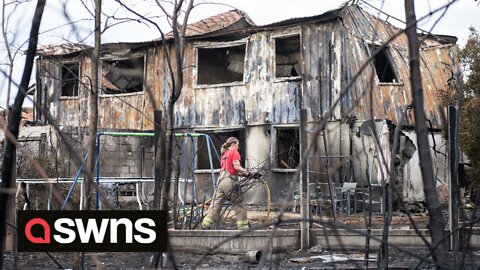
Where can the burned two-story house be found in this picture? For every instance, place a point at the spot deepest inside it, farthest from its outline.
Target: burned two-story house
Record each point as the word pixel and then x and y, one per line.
pixel 345 66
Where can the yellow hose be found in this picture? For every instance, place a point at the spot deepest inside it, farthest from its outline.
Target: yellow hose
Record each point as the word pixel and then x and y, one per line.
pixel 268 200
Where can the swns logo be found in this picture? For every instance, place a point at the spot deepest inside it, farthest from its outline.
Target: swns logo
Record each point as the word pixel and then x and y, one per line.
pixel 92 231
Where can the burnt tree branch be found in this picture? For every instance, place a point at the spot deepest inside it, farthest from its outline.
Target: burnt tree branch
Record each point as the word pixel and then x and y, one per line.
pixel 436 222
pixel 9 162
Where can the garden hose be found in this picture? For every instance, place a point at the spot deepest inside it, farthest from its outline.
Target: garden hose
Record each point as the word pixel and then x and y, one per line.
pixel 268 200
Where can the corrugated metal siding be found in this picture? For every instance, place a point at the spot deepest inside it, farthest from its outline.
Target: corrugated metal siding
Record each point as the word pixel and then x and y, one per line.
pixel 133 110
pixel 126 111
pixel 319 67
pixel 47 70
pixel 437 67
pixel 260 96
pixel 387 98
pixel 332 53
pixel 122 112
pixel 74 111
pixel 220 107
pixel 260 99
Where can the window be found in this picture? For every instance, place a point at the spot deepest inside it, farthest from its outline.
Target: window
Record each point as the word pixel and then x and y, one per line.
pixel 287 57
pixel 383 66
pixel 287 148
pixel 123 76
pixel 218 138
pixel 221 65
pixel 70 72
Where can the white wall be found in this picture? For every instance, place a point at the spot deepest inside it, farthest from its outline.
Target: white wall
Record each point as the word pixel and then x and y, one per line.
pixel 258 150
pixel 413 183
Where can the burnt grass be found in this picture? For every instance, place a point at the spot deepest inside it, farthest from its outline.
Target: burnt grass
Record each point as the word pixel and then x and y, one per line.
pixel 291 260
pixel 316 258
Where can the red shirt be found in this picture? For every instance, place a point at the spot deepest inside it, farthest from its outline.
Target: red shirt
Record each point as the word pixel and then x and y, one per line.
pixel 227 161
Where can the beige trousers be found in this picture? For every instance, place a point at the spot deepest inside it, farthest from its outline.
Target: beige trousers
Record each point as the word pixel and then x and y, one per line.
pixel 225 191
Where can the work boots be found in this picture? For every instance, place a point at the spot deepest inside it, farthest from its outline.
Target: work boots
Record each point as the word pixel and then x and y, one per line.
pixel 243 225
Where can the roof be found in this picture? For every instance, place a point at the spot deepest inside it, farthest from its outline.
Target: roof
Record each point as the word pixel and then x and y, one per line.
pixel 327 16
pixel 61 49
pixel 26 116
pixel 233 19
pixel 233 22
pixel 216 23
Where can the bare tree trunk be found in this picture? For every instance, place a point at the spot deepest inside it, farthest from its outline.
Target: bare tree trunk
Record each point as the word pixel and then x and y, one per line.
pixel 92 123
pixel 168 170
pixel 9 161
pixel 10 59
pixel 159 158
pixel 176 75
pixel 437 225
pixel 93 107
pixel 177 86
pixel 387 201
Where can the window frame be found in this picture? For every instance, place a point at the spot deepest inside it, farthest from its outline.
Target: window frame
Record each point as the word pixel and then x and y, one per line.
pixel 274 146
pixel 286 78
pixel 130 57
pixel 371 47
pixel 63 65
pixel 242 149
pixel 219 45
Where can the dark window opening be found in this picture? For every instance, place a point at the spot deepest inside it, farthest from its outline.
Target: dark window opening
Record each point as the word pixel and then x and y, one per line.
pixel 218 139
pixel 126 190
pixel 221 65
pixel 383 66
pixel 70 74
pixel 123 76
pixel 287 150
pixel 287 57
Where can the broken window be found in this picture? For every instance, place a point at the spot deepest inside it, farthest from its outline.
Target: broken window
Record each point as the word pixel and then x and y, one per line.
pixel 218 138
pixel 126 190
pixel 221 65
pixel 287 56
pixel 70 72
pixel 287 148
pixel 123 76
pixel 383 66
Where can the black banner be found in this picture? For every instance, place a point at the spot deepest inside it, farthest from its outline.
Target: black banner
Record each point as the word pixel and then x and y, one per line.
pixel 92 231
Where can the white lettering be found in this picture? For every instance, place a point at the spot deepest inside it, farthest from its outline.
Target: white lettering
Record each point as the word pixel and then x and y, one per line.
pixel 62 229
pixel 98 234
pixel 151 233
pixel 128 230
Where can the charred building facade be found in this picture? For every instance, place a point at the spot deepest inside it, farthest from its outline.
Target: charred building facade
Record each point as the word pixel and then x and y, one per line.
pixel 250 82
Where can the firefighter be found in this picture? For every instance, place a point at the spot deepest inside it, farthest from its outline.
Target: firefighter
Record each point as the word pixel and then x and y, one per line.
pixel 228 187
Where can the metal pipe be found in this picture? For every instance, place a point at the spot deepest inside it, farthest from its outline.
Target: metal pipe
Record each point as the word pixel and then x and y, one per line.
pixel 49 201
pixel 185 173
pixel 81 197
pixel 195 135
pixel 138 196
pixel 97 196
pixel 253 256
pixel 27 192
pixel 133 134
pixel 142 160
pixel 80 179
pixel 146 134
pixel 210 160
pixel 73 185
pixel 126 134
pixel 215 150
pixel 193 171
